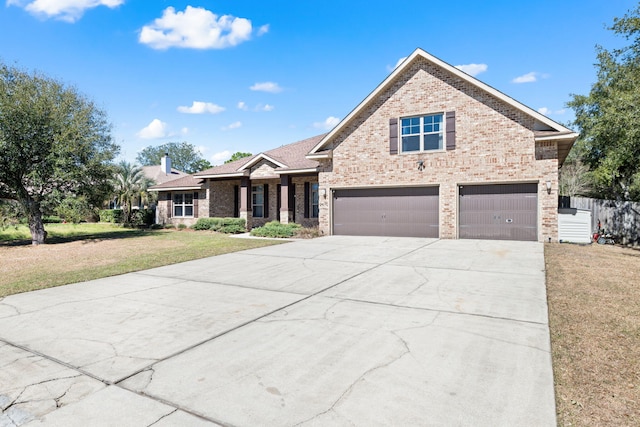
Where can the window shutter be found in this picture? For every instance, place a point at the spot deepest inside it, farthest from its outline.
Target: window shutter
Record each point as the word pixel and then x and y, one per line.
pixel 451 130
pixel 195 204
pixel 306 200
pixel 169 206
pixel 265 200
pixel 393 136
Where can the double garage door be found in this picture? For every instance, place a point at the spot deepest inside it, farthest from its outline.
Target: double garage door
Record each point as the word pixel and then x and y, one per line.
pixel 401 212
pixel 496 211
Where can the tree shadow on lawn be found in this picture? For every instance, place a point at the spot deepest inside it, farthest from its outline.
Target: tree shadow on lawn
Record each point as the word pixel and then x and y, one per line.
pixel 86 238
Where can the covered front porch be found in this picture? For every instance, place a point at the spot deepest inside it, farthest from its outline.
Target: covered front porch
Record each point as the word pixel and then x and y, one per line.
pixel 287 198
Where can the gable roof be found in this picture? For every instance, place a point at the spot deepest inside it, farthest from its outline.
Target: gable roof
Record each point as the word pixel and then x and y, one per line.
pixel 546 129
pixel 187 182
pixel 290 158
pixel 157 175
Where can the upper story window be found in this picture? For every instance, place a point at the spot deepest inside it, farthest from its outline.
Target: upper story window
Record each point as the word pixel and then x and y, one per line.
pixel 257 200
pixel 423 133
pixel 183 204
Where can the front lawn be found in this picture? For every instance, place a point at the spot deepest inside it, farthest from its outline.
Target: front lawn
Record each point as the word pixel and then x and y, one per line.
pixel 82 252
pixel 594 318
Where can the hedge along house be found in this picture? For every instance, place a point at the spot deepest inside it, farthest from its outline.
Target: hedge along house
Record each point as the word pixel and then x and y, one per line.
pixel 279 184
pixel 431 152
pixel 434 152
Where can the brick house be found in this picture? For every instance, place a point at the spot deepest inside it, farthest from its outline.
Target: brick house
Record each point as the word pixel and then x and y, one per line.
pixel 431 152
pixel 279 184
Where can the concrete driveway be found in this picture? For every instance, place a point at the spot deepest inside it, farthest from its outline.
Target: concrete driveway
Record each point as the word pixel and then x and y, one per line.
pixel 331 331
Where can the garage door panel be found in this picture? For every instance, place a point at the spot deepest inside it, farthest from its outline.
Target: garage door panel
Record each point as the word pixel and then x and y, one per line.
pixel 401 212
pixel 499 211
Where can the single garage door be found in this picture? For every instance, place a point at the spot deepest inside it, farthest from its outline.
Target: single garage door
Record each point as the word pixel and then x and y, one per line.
pixel 400 212
pixel 499 212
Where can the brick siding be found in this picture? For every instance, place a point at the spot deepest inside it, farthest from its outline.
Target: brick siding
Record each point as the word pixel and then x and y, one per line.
pixel 494 144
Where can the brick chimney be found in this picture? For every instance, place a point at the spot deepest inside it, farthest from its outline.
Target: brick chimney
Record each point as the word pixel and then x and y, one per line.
pixel 165 164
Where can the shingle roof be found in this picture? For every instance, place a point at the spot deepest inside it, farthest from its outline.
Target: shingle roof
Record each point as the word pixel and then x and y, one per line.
pixel 226 168
pixel 292 156
pixel 158 176
pixel 188 181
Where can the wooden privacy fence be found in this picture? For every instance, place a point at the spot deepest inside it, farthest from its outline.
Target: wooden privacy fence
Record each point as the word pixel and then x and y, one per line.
pixel 622 219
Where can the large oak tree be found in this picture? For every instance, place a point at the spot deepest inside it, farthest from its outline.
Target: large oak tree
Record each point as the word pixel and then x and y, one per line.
pixel 53 140
pixel 184 156
pixel 609 116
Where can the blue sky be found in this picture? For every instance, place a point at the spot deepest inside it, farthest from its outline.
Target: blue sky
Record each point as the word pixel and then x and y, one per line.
pixel 249 75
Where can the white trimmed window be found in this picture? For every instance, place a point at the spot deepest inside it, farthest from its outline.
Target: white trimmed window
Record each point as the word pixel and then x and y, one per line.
pixel 423 133
pixel 183 205
pixel 257 200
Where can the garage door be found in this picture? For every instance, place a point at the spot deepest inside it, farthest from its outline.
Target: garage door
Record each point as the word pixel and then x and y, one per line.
pixel 499 211
pixel 401 212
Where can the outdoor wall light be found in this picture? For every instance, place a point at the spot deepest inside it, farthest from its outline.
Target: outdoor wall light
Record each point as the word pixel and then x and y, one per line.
pixel 548 187
pixel 323 192
pixel 420 165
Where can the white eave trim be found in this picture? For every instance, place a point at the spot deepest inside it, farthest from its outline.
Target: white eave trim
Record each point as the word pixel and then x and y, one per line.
pixel 175 189
pixel 225 175
pixel 327 154
pixel 568 136
pixel 259 157
pixel 451 69
pixel 295 171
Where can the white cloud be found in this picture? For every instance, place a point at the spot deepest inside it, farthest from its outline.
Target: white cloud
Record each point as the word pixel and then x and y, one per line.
pixel 270 87
pixel 263 30
pixel 546 111
pixel 260 107
pixel 154 130
pixel 201 149
pixel 199 107
pixel 526 78
pixel 184 131
pixel 265 107
pixel 473 69
pixel 234 125
pixel 328 124
pixel 66 10
pixel 219 158
pixel 195 28
pixel 390 68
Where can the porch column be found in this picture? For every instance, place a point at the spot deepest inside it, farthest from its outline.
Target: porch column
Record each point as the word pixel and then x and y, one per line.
pixel 245 194
pixel 286 207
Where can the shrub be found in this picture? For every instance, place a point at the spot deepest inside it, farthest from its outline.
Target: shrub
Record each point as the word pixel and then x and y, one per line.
pixel 223 225
pixel 51 219
pixel 111 215
pixel 307 233
pixel 232 229
pixel 73 209
pixel 182 226
pixel 142 217
pixel 276 230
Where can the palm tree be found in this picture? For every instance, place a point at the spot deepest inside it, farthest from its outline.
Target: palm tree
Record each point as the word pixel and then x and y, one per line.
pixel 130 185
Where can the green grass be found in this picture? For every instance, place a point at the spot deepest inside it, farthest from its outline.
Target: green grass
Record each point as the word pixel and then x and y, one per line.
pixel 64 232
pixel 76 253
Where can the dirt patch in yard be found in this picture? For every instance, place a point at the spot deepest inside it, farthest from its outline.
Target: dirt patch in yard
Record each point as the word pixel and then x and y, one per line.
pixel 594 317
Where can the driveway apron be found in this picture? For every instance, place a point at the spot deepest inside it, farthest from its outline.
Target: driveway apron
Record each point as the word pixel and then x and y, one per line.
pixel 337 330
